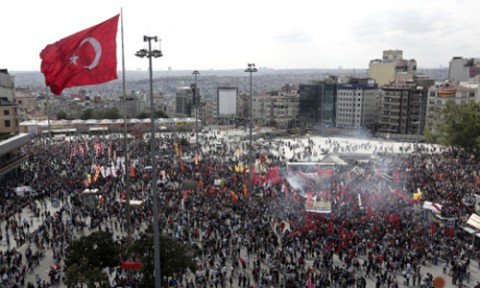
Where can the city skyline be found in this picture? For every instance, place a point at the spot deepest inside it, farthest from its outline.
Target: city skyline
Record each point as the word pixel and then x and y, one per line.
pixel 224 35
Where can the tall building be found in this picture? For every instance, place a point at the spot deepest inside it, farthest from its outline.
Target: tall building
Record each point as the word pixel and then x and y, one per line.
pixel 357 104
pixel 404 107
pixel 184 104
pixel 461 69
pixel 391 67
pixel 317 102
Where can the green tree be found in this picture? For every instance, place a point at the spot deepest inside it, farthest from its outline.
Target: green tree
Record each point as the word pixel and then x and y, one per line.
pixel 112 113
pixel 87 114
pixel 460 128
pixel 143 115
pixel 61 115
pixel 160 114
pixel 82 273
pixel 175 257
pixel 86 257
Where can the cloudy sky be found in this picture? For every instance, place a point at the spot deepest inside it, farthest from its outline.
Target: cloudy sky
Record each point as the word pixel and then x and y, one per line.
pixel 228 34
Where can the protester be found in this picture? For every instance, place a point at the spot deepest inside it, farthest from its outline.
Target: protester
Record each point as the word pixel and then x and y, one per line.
pixel 257 235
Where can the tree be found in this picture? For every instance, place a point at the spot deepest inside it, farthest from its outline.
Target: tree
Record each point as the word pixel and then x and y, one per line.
pixel 86 257
pixel 460 128
pixel 112 113
pixel 175 257
pixel 87 114
pixel 80 272
pixel 61 115
pixel 160 114
pixel 143 115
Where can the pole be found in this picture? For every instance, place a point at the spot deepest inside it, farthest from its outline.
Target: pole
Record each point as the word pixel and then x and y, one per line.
pixel 48 116
pixel 156 234
pixel 251 68
pixel 195 73
pixel 125 138
pixel 251 127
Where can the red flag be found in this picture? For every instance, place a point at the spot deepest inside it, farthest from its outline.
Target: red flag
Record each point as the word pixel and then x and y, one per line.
pixel 182 168
pixel 245 192
pixel 131 265
pixel 132 171
pixel 369 212
pixel 396 177
pixel 84 58
pixel 233 195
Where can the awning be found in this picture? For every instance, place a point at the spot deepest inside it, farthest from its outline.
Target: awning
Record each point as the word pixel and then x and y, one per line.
pixel 474 221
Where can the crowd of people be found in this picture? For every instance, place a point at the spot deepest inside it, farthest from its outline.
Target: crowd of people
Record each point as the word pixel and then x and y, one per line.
pixel 249 230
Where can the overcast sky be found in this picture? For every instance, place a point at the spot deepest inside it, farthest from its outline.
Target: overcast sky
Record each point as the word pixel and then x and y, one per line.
pixel 228 34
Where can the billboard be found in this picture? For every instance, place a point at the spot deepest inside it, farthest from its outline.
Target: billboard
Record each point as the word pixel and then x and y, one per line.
pixel 227 101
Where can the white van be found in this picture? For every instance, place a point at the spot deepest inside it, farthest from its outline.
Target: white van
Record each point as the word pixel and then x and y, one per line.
pixel 25 191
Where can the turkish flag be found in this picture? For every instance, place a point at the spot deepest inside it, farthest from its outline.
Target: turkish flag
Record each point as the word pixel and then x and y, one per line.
pixel 84 58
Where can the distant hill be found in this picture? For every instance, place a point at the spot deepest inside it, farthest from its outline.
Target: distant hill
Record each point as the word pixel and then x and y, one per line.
pixel 167 81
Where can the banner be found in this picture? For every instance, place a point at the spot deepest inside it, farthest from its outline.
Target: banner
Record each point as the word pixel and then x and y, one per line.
pixel 318 202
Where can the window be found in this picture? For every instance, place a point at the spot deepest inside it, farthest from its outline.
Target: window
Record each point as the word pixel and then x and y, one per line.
pixel 7 123
pixel 6 112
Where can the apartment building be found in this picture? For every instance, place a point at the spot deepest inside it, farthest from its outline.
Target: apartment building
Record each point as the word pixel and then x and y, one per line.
pixel 441 93
pixel 357 104
pixel 404 108
pixel 392 67
pixel 461 69
pixel 276 109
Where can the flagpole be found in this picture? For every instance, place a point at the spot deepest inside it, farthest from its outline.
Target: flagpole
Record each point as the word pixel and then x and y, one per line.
pixel 125 138
pixel 48 115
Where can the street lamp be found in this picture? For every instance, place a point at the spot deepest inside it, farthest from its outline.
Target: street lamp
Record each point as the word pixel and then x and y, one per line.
pixel 195 73
pixel 156 235
pixel 251 68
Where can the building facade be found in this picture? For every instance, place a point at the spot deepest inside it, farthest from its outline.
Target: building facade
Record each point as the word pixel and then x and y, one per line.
pixel 317 102
pixel 7 87
pixel 8 117
pixel 391 67
pixel 356 105
pixel 461 69
pixel 404 108
pixel 184 104
pixel 440 94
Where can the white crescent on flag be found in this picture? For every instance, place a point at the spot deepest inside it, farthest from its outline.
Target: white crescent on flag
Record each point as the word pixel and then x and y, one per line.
pixel 98 51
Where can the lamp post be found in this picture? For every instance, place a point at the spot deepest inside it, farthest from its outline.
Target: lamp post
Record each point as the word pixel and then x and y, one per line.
pixel 251 68
pixel 195 73
pixel 156 244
